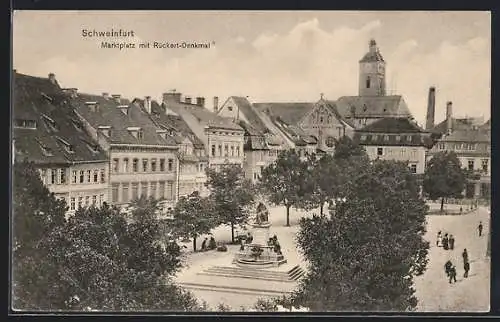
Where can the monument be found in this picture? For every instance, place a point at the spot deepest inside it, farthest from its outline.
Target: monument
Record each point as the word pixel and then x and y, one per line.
pixel 261 251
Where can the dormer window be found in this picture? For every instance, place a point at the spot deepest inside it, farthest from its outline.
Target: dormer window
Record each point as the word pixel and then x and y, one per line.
pixel 136 132
pixel 374 137
pixel 77 125
pixel 105 130
pixel 363 137
pixel 93 106
pixel 47 97
pixel 67 146
pixel 162 133
pixel 229 108
pixel 25 124
pixel 45 149
pixel 386 137
pixel 50 123
pixel 123 109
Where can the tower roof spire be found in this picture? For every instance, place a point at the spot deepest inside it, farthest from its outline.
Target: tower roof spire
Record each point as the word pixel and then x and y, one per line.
pixel 373 54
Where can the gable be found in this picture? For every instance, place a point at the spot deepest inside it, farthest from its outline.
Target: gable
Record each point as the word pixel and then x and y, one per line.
pixel 322 114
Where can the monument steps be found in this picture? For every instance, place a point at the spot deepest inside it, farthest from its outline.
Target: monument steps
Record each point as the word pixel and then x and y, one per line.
pixel 292 275
pixel 232 289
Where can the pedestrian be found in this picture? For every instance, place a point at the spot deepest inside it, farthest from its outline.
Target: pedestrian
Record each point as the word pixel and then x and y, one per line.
pixel 445 242
pixel 465 256
pixel 439 239
pixel 461 209
pixel 452 242
pixel 204 245
pixel 212 244
pixel 466 269
pixel 480 228
pixel 447 267
pixel 453 274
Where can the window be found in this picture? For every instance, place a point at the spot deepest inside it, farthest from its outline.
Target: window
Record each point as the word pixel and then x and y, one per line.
pixel 229 108
pixel 368 82
pixel 321 119
pixel 144 189
pixel 374 137
pixel 170 164
pixel 161 189
pixel 89 176
pixel 152 189
pixel 170 190
pixel 144 165
pixel 53 176
pixel 363 137
pixel 114 192
pixel 135 165
pixel 232 151
pixel 27 124
pixel 408 138
pixel 398 137
pixel 72 203
pixel 62 176
pixel 386 137
pixel 413 168
pixel 75 176
pixel 162 165
pixel 80 202
pixel 87 201
pixel 441 146
pixel 135 190
pixel 484 165
pixel 103 176
pixel 82 176
pixel 220 150
pixel 213 150
pixel 140 134
pixel 226 150
pixel 330 142
pixel 125 165
pixel 94 200
pixel 470 164
pixel 96 176
pixel 101 199
pixel 153 165
pixel 380 151
pixel 238 151
pixel 115 165
pixel 125 193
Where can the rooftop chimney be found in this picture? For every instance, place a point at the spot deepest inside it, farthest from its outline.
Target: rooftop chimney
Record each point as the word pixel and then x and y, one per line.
pixel 373 46
pixel 200 101
pixel 431 108
pixel 147 104
pixel 52 78
pixel 172 97
pixel 187 100
pixel 216 104
pixel 105 95
pixel 449 117
pixel 116 98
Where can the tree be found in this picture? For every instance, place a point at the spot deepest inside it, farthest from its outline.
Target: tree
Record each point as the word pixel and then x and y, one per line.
pixel 346 148
pixel 285 181
pixel 97 259
pixel 364 256
pixel 193 216
pixel 231 195
pixel 443 177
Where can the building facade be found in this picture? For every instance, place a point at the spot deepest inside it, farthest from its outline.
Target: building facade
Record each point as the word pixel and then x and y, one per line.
pixel 143 160
pixel 48 133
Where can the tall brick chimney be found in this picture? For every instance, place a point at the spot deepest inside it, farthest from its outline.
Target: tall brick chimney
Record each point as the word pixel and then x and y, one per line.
pixel 431 108
pixel 200 101
pixel 172 97
pixel 449 117
pixel 216 104
pixel 52 78
pixel 116 98
pixel 147 104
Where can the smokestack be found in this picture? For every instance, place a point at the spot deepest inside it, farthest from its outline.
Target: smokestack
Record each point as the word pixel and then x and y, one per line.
pixel 105 95
pixel 52 78
pixel 449 117
pixel 147 104
pixel 216 104
pixel 172 97
pixel 431 108
pixel 116 98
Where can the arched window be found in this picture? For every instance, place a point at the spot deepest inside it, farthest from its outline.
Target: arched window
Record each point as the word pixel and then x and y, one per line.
pixel 330 142
pixel 368 82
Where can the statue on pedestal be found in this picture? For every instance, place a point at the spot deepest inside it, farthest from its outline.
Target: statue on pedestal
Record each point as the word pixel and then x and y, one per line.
pixel 262 216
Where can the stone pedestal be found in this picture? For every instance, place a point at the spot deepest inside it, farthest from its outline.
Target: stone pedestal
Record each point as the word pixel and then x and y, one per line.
pixel 260 234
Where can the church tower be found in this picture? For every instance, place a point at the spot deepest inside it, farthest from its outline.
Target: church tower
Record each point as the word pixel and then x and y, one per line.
pixel 372 72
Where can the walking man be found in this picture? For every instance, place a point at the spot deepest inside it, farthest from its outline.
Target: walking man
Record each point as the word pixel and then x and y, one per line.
pixel 466 269
pixel 447 267
pixel 465 256
pixel 445 242
pixel 439 239
pixel 480 228
pixel 453 274
pixel 452 242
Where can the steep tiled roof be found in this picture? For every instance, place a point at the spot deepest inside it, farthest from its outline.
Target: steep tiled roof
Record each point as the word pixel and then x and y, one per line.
pixel 174 122
pixel 416 139
pixel 204 116
pixel 254 139
pixel 290 113
pixel 59 137
pixel 472 136
pixel 392 125
pixel 108 114
pixel 372 57
pixel 250 113
pixel 372 106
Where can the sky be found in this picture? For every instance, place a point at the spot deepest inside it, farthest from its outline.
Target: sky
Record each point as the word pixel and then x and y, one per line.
pixel 273 56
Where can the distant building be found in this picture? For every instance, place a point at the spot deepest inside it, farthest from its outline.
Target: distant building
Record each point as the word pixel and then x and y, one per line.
pixel 144 161
pixel 396 139
pixel 48 132
pixel 222 137
pixel 470 139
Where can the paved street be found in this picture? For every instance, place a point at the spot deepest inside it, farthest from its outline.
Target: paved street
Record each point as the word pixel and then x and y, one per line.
pixel 432 289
